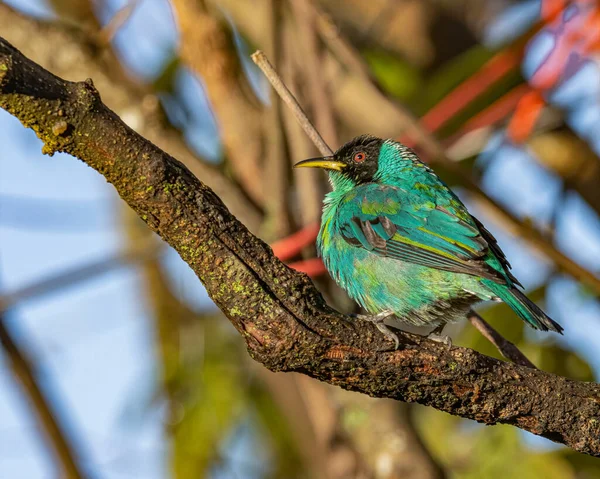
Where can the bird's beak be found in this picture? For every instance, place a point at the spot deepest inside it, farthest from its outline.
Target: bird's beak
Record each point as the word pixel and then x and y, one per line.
pixel 325 162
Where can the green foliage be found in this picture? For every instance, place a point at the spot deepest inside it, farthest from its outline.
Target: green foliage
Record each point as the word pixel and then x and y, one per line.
pixel 452 74
pixel 165 79
pixel 471 451
pixel 397 77
pixel 208 399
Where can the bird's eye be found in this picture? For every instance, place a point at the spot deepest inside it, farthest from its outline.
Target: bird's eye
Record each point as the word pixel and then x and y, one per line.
pixel 360 157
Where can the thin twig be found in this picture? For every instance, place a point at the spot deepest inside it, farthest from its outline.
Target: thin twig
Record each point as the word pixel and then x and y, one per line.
pixel 116 22
pixel 263 63
pixel 310 187
pixel 506 348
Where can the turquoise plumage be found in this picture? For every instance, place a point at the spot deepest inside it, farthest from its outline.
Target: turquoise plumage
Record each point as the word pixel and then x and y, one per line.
pixel 398 240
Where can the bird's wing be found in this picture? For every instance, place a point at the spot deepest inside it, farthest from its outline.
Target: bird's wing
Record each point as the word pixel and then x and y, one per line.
pixel 432 230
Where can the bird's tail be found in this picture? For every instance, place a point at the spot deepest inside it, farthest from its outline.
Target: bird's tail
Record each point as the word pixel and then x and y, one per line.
pixel 526 309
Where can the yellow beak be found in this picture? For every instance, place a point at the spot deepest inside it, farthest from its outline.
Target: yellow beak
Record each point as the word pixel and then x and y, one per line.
pixel 326 162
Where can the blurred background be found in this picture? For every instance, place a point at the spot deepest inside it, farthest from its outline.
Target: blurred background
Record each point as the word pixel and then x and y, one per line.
pixel 119 346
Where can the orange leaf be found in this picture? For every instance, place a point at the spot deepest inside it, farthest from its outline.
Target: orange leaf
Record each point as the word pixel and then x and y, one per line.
pixel 494 69
pixel 313 267
pixel 525 117
pixel 292 245
pixel 551 8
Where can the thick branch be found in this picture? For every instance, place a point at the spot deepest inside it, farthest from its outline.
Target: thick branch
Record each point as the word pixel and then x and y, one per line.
pixel 283 319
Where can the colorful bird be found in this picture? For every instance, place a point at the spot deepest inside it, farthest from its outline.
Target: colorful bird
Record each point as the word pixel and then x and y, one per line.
pixel 402 244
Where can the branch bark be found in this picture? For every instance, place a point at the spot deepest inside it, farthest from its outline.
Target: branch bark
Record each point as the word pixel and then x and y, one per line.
pixel 281 316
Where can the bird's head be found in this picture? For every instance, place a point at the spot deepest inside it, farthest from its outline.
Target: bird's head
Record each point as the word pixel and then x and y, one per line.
pixel 355 163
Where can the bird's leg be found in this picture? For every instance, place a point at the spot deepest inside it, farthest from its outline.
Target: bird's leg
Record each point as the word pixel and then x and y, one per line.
pixel 436 335
pixel 378 319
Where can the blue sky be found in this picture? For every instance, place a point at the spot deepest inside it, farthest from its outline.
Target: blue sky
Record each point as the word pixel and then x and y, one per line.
pixel 95 341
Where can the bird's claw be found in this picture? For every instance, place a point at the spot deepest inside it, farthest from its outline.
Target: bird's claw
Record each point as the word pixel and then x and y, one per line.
pixel 388 333
pixel 439 338
pixel 378 320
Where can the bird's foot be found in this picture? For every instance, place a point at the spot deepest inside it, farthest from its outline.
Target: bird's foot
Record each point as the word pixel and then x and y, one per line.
pixel 437 336
pixel 378 320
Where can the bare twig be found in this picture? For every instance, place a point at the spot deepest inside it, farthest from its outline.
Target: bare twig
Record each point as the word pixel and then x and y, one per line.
pixel 310 187
pixel 506 348
pixel 116 22
pixel 263 63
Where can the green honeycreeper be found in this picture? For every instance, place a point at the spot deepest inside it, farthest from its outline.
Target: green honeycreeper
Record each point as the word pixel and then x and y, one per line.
pixel 401 243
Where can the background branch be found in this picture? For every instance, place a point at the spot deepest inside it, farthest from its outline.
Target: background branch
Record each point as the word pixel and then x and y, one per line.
pixel 78 274
pixel 263 63
pixel 72 53
pixel 207 47
pixel 506 348
pixel 24 373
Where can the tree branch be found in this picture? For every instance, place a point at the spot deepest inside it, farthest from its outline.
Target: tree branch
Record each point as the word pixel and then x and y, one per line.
pixel 208 48
pixel 25 375
pixel 282 317
pixel 506 348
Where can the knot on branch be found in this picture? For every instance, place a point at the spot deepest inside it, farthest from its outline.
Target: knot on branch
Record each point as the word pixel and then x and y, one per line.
pixel 52 107
pixel 64 115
